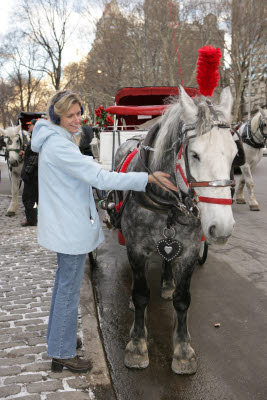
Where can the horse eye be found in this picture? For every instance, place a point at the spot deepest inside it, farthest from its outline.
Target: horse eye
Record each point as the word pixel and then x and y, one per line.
pixel 196 156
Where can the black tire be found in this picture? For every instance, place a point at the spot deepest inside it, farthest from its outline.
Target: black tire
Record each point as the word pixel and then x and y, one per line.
pixel 203 253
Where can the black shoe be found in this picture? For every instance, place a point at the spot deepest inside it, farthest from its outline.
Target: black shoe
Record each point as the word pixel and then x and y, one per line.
pixel 26 223
pixel 75 364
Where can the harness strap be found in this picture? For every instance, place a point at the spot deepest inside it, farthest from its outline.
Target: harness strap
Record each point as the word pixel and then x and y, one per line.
pixel 248 137
pixel 213 200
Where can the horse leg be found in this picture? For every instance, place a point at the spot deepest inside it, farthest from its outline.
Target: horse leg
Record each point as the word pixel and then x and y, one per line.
pixel 136 352
pixel 240 198
pixel 13 206
pixel 184 358
pixel 167 281
pixel 253 204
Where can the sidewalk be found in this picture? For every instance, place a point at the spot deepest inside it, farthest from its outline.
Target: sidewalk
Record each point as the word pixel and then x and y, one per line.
pixel 26 280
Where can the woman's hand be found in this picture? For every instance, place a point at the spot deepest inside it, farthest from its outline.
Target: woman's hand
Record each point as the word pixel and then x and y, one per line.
pixel 159 177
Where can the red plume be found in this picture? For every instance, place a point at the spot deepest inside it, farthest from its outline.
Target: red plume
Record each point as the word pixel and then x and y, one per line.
pixel 207 70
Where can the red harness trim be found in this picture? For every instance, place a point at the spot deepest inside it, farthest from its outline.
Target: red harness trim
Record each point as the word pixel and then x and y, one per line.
pixel 214 200
pixel 124 168
pixel 182 174
pixel 200 199
pixel 127 161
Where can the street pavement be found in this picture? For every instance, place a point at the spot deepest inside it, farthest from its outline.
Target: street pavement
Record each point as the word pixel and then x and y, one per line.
pixel 26 281
pixel 230 289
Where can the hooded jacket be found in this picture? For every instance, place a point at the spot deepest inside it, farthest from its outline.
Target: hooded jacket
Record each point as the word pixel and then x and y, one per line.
pixel 68 221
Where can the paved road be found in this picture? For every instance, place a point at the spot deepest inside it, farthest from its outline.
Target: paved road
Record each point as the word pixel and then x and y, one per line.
pixel 26 280
pixel 231 288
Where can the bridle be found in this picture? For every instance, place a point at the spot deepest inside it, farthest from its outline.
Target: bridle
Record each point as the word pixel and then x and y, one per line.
pixel 16 150
pixel 189 181
pixel 249 136
pixel 186 198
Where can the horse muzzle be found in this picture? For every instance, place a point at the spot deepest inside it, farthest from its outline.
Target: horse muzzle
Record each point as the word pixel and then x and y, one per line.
pixel 217 235
pixel 14 163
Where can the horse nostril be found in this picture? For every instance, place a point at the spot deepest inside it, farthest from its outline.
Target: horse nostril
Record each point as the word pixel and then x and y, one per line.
pixel 212 230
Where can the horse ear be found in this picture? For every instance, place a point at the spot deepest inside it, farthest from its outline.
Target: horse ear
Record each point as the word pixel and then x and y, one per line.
pixel 226 102
pixel 2 132
pixel 189 108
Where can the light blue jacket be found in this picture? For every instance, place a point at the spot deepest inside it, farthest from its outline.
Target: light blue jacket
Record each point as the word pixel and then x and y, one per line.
pixel 66 201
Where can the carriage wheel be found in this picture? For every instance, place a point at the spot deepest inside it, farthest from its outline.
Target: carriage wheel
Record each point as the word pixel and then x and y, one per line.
pixel 203 252
pixel 92 258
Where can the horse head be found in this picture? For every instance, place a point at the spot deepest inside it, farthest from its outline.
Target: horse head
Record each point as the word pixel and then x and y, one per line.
pixel 260 122
pixel 14 143
pixel 200 135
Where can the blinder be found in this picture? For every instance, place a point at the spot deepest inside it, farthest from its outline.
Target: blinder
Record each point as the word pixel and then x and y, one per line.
pixel 240 158
pixel 262 126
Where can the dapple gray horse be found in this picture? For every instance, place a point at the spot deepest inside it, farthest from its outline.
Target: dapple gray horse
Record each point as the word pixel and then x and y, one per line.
pixel 254 137
pixel 14 141
pixel 192 142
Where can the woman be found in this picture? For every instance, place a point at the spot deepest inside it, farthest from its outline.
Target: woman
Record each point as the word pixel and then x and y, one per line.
pixel 68 221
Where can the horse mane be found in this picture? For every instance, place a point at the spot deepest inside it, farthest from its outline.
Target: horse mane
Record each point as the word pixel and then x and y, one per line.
pixel 172 122
pixel 255 122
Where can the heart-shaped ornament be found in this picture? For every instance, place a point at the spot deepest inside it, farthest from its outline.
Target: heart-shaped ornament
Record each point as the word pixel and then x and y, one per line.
pixel 169 249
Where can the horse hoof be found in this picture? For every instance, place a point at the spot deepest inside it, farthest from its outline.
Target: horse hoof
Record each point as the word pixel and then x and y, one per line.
pixel 166 293
pixel 240 201
pixel 254 208
pixel 137 361
pixel 184 367
pixel 10 213
pixel 136 356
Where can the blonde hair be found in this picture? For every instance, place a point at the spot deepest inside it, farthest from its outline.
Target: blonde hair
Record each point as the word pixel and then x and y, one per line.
pixel 59 104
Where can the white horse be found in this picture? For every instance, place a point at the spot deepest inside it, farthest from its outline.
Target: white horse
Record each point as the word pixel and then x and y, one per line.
pixel 15 141
pixel 194 144
pixel 254 137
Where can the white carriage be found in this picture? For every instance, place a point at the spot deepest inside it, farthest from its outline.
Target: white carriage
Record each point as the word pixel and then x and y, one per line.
pixel 136 109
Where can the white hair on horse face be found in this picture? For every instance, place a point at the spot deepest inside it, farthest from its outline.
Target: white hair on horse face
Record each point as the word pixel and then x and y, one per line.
pixel 12 131
pixel 189 110
pixel 255 122
pixel 172 122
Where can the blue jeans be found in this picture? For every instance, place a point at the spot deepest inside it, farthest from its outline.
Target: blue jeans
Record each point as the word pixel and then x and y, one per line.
pixel 62 325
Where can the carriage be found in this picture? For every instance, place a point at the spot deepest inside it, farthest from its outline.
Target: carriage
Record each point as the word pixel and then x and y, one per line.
pixel 135 111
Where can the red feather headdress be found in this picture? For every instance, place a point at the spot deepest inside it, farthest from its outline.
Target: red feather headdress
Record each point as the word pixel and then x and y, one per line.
pixel 207 70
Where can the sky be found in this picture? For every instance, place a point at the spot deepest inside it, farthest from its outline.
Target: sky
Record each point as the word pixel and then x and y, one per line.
pixel 75 48
pixel 5 8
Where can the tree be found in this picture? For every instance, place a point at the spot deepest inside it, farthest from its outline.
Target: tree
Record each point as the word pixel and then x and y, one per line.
pixel 249 29
pixel 244 22
pixel 6 100
pixel 49 25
